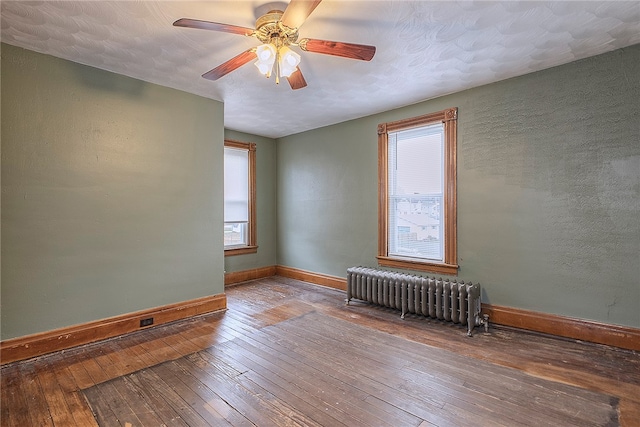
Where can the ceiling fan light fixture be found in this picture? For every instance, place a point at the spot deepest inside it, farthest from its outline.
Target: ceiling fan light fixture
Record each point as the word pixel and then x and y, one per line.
pixel 288 61
pixel 266 54
pixel 264 69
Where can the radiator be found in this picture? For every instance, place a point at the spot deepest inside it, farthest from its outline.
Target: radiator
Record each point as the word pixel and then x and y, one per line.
pixel 453 301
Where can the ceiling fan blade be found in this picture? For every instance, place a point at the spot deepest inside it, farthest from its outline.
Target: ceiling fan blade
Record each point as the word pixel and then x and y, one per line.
pixel 213 26
pixel 297 12
pixel 346 50
pixel 232 64
pixel 296 80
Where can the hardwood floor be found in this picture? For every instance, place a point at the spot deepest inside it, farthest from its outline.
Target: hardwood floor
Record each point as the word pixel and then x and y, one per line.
pixel 290 353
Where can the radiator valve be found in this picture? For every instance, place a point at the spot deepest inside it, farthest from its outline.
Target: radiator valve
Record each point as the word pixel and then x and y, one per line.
pixel 485 322
pixel 479 322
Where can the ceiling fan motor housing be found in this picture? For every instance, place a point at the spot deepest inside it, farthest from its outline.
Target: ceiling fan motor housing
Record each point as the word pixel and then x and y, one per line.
pixel 269 29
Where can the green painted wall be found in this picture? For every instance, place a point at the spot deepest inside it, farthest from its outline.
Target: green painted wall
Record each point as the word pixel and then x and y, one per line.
pixel 548 190
pixel 112 191
pixel 111 194
pixel 265 202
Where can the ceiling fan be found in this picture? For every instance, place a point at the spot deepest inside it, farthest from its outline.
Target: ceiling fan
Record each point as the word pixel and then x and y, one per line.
pixel 278 30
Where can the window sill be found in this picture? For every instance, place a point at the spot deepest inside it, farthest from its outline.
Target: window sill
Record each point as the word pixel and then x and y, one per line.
pixel 240 250
pixel 450 269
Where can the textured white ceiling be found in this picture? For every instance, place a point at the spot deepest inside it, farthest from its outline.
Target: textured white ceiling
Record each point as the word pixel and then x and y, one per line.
pixel 424 49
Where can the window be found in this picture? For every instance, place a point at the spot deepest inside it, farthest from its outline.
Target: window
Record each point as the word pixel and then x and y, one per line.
pixel 417 188
pixel 239 198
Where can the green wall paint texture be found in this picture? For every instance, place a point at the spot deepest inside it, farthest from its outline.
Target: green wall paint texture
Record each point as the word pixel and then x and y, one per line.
pixel 548 190
pixel 111 194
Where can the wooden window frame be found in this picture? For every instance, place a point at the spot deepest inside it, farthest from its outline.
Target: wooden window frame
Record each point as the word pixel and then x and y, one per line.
pixel 448 118
pixel 251 246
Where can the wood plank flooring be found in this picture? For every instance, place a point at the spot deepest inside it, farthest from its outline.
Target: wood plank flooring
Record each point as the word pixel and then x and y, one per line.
pixel 290 353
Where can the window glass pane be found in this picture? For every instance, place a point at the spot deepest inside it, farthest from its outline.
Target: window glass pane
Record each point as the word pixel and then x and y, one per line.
pixel 415 193
pixel 235 233
pixel 236 185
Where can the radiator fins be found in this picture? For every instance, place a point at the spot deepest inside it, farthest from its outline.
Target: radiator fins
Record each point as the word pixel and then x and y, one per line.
pixel 451 301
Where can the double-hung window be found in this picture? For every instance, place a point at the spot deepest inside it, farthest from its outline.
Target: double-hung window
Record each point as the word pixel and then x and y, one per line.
pixel 417 193
pixel 239 198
